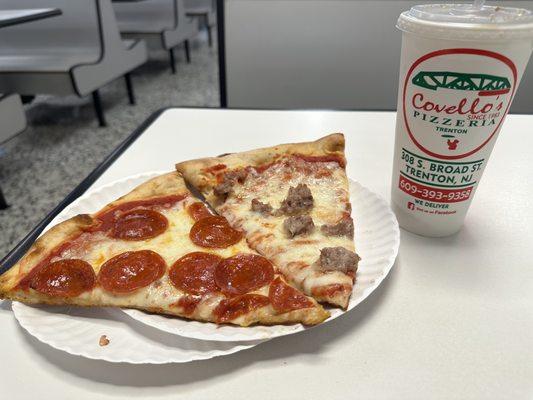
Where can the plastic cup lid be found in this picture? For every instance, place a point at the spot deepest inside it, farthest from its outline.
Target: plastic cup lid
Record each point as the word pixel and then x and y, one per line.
pixel 468 22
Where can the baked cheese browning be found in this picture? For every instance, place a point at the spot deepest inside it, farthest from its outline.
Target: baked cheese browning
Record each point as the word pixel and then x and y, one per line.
pixel 187 304
pixel 285 298
pixel 230 309
pixel 333 292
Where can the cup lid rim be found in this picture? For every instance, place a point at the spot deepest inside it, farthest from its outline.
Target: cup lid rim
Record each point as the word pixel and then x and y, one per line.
pixel 519 29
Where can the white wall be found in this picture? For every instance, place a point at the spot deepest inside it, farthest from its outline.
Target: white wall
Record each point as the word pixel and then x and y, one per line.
pixel 322 54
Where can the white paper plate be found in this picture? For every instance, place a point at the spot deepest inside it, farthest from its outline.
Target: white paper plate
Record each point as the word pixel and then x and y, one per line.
pixel 77 331
pixel 377 239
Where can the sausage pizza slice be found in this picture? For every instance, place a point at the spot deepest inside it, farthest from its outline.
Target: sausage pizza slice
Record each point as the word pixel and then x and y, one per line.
pixel 158 249
pixel 292 203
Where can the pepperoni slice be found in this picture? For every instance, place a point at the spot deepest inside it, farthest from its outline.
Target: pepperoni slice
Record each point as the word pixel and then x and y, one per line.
pixel 140 224
pixel 198 210
pixel 130 271
pixel 243 273
pixel 285 298
pixel 214 232
pixel 194 273
pixel 229 309
pixel 64 278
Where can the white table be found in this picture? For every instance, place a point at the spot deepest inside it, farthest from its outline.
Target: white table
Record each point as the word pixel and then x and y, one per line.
pixel 453 320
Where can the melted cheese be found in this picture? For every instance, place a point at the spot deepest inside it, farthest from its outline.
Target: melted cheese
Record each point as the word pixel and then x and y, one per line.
pixel 174 243
pixel 161 296
pixel 297 257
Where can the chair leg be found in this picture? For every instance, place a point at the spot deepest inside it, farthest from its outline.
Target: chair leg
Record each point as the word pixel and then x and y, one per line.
pixel 26 99
pixel 129 87
pixel 3 202
pixel 209 33
pixel 187 51
pixel 98 108
pixel 172 60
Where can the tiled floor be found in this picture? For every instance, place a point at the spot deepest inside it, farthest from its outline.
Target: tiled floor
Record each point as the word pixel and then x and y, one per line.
pixel 63 144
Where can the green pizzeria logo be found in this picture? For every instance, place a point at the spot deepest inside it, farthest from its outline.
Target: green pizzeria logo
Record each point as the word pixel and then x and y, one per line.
pixel 451 113
pixel 486 85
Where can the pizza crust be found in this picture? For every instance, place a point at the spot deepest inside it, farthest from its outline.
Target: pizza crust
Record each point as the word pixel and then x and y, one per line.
pixel 197 171
pixel 162 185
pixel 262 316
pixel 267 316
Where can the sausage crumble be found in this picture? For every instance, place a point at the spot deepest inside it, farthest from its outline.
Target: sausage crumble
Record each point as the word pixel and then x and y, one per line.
pixel 228 181
pixel 261 208
pixel 299 200
pixel 342 228
pixel 338 259
pixel 298 225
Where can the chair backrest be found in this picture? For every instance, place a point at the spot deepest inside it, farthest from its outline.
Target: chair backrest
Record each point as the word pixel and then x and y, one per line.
pixel 183 22
pixel 210 5
pixel 77 27
pixel 155 15
pixel 200 3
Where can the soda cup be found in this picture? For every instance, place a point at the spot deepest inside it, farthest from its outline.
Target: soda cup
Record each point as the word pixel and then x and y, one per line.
pixel 461 65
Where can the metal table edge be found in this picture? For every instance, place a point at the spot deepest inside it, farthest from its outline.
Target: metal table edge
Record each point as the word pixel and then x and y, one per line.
pixel 51 12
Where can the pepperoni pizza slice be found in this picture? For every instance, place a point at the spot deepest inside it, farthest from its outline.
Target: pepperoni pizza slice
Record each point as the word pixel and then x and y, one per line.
pixel 292 203
pixel 161 250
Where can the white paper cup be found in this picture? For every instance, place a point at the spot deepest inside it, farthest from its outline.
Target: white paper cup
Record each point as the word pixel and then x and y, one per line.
pixel 459 72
